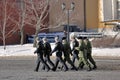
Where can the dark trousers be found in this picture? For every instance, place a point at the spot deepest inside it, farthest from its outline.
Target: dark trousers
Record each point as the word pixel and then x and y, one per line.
pixel 59 59
pixel 40 59
pixel 47 59
pixel 89 56
pixel 75 56
pixel 69 61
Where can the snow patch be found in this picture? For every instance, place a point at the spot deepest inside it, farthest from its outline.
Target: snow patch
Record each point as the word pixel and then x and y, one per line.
pixel 28 50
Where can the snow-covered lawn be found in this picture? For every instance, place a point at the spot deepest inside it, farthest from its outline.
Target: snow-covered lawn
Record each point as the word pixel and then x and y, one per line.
pixel 28 50
pixel 110 52
pixel 17 50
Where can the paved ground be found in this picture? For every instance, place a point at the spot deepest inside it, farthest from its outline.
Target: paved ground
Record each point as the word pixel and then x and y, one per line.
pixel 22 68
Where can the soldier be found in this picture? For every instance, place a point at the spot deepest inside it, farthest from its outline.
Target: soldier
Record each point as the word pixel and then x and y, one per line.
pixel 82 55
pixel 39 52
pixel 67 52
pixel 59 49
pixel 88 51
pixel 47 49
pixel 74 50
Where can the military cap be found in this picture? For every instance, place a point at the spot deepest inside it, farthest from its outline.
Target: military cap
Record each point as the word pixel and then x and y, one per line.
pixel 63 38
pixel 84 37
pixel 79 37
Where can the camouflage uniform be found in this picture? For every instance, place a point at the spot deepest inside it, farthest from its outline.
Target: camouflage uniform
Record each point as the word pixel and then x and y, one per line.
pixel 67 51
pixel 82 55
pixel 88 51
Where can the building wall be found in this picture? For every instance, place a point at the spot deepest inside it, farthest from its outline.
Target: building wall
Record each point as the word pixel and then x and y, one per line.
pixel 92 18
pixel 28 29
pixel 15 38
pixel 107 13
pixel 59 17
pixel 97 11
pixel 77 16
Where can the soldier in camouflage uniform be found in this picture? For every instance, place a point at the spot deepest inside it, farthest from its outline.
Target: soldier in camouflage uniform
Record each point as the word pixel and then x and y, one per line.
pixel 67 52
pixel 88 51
pixel 82 55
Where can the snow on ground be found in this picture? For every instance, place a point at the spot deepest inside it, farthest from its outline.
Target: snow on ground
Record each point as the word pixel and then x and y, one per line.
pixel 110 52
pixel 17 50
pixel 28 50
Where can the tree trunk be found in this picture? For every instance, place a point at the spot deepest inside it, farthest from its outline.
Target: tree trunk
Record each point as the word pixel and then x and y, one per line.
pixel 4 44
pixel 36 34
pixel 23 6
pixel 22 37
pixel 4 27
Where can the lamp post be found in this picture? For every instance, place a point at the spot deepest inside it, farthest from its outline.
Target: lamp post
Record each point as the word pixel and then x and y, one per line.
pixel 67 11
pixel 84 15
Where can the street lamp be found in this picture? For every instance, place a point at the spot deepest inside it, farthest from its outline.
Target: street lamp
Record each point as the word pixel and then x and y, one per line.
pixel 67 11
pixel 84 15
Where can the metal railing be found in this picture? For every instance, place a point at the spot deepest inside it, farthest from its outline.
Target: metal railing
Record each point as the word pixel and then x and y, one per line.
pixel 88 34
pixel 91 34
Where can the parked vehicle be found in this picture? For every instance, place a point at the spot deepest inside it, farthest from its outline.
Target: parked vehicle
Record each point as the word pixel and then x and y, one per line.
pixel 72 28
pixel 49 36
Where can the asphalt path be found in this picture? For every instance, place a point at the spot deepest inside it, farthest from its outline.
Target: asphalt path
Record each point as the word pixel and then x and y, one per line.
pixel 22 68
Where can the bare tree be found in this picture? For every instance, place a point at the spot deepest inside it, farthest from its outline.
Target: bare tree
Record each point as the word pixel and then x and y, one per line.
pixel 22 15
pixel 37 12
pixel 21 18
pixel 7 25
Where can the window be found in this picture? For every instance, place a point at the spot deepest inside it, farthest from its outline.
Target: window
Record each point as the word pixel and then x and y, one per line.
pixel 111 9
pixel 107 10
pixel 118 9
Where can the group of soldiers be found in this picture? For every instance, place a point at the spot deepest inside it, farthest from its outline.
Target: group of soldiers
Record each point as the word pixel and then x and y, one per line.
pixel 80 49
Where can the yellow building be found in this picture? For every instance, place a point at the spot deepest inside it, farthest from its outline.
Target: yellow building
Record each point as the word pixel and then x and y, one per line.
pixel 89 14
pixel 109 13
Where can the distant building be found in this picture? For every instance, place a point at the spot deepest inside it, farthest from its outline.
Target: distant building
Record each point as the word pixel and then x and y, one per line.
pixel 109 12
pixel 10 20
pixel 91 15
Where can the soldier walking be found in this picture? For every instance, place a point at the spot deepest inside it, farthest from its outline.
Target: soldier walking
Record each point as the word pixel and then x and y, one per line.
pixel 39 52
pixel 47 49
pixel 74 50
pixel 82 55
pixel 59 50
pixel 67 52
pixel 88 51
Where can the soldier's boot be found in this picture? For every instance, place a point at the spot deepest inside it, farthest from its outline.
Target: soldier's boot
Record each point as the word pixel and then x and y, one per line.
pixel 36 70
pixel 81 66
pixel 65 68
pixel 43 68
pixel 53 69
pixel 74 68
pixel 89 68
pixel 48 69
pixel 95 67
pixel 61 68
